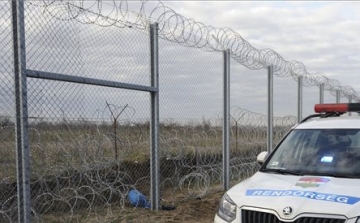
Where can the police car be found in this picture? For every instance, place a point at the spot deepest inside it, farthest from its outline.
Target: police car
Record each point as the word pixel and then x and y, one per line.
pixel 311 176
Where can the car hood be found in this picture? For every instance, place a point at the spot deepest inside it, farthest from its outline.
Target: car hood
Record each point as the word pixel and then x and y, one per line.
pixel 304 194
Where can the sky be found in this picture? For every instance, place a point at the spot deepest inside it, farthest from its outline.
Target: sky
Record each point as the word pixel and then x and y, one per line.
pixel 321 35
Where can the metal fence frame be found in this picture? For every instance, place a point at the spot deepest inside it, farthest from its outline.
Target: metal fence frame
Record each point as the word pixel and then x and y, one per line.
pixel 22 143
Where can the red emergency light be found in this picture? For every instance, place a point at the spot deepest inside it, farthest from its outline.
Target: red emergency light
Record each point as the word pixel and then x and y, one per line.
pixel 342 107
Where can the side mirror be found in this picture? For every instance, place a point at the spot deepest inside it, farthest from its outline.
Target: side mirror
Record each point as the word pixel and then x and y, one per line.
pixel 262 157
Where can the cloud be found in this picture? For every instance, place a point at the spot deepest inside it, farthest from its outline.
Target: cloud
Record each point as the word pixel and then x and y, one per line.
pixel 321 35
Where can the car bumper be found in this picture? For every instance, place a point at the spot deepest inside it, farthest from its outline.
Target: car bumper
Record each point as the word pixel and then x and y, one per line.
pixel 217 219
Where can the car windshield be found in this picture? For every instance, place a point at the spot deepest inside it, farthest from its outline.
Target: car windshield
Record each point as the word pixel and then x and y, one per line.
pixel 326 152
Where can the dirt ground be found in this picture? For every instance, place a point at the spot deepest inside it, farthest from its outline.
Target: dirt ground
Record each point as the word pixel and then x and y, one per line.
pixel 191 211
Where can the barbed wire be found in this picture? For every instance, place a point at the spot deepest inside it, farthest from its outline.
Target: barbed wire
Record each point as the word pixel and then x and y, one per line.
pixel 187 32
pixel 73 169
pixel 75 173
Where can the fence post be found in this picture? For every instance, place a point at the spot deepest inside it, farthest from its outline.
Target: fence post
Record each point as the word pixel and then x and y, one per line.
pixel 337 96
pixel 321 89
pixel 154 124
pixel 22 141
pixel 270 108
pixel 300 98
pixel 350 100
pixel 226 122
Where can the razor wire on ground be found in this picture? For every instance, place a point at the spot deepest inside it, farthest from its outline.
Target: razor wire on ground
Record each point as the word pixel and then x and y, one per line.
pixel 82 170
pixel 75 174
pixel 190 33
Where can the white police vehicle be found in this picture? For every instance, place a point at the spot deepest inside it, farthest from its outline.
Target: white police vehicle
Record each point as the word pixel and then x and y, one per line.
pixel 312 176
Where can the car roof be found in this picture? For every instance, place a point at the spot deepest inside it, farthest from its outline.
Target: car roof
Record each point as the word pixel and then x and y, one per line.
pixel 341 122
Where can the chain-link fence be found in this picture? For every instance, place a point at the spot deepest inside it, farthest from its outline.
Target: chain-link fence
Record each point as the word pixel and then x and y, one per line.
pixel 89 118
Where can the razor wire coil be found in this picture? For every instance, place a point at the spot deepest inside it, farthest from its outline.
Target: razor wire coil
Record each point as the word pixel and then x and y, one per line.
pixel 74 177
pixel 187 32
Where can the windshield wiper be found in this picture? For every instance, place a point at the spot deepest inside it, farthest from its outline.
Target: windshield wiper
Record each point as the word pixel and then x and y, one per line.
pixel 282 171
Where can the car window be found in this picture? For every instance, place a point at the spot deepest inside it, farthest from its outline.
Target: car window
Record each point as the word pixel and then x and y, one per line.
pixel 319 152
